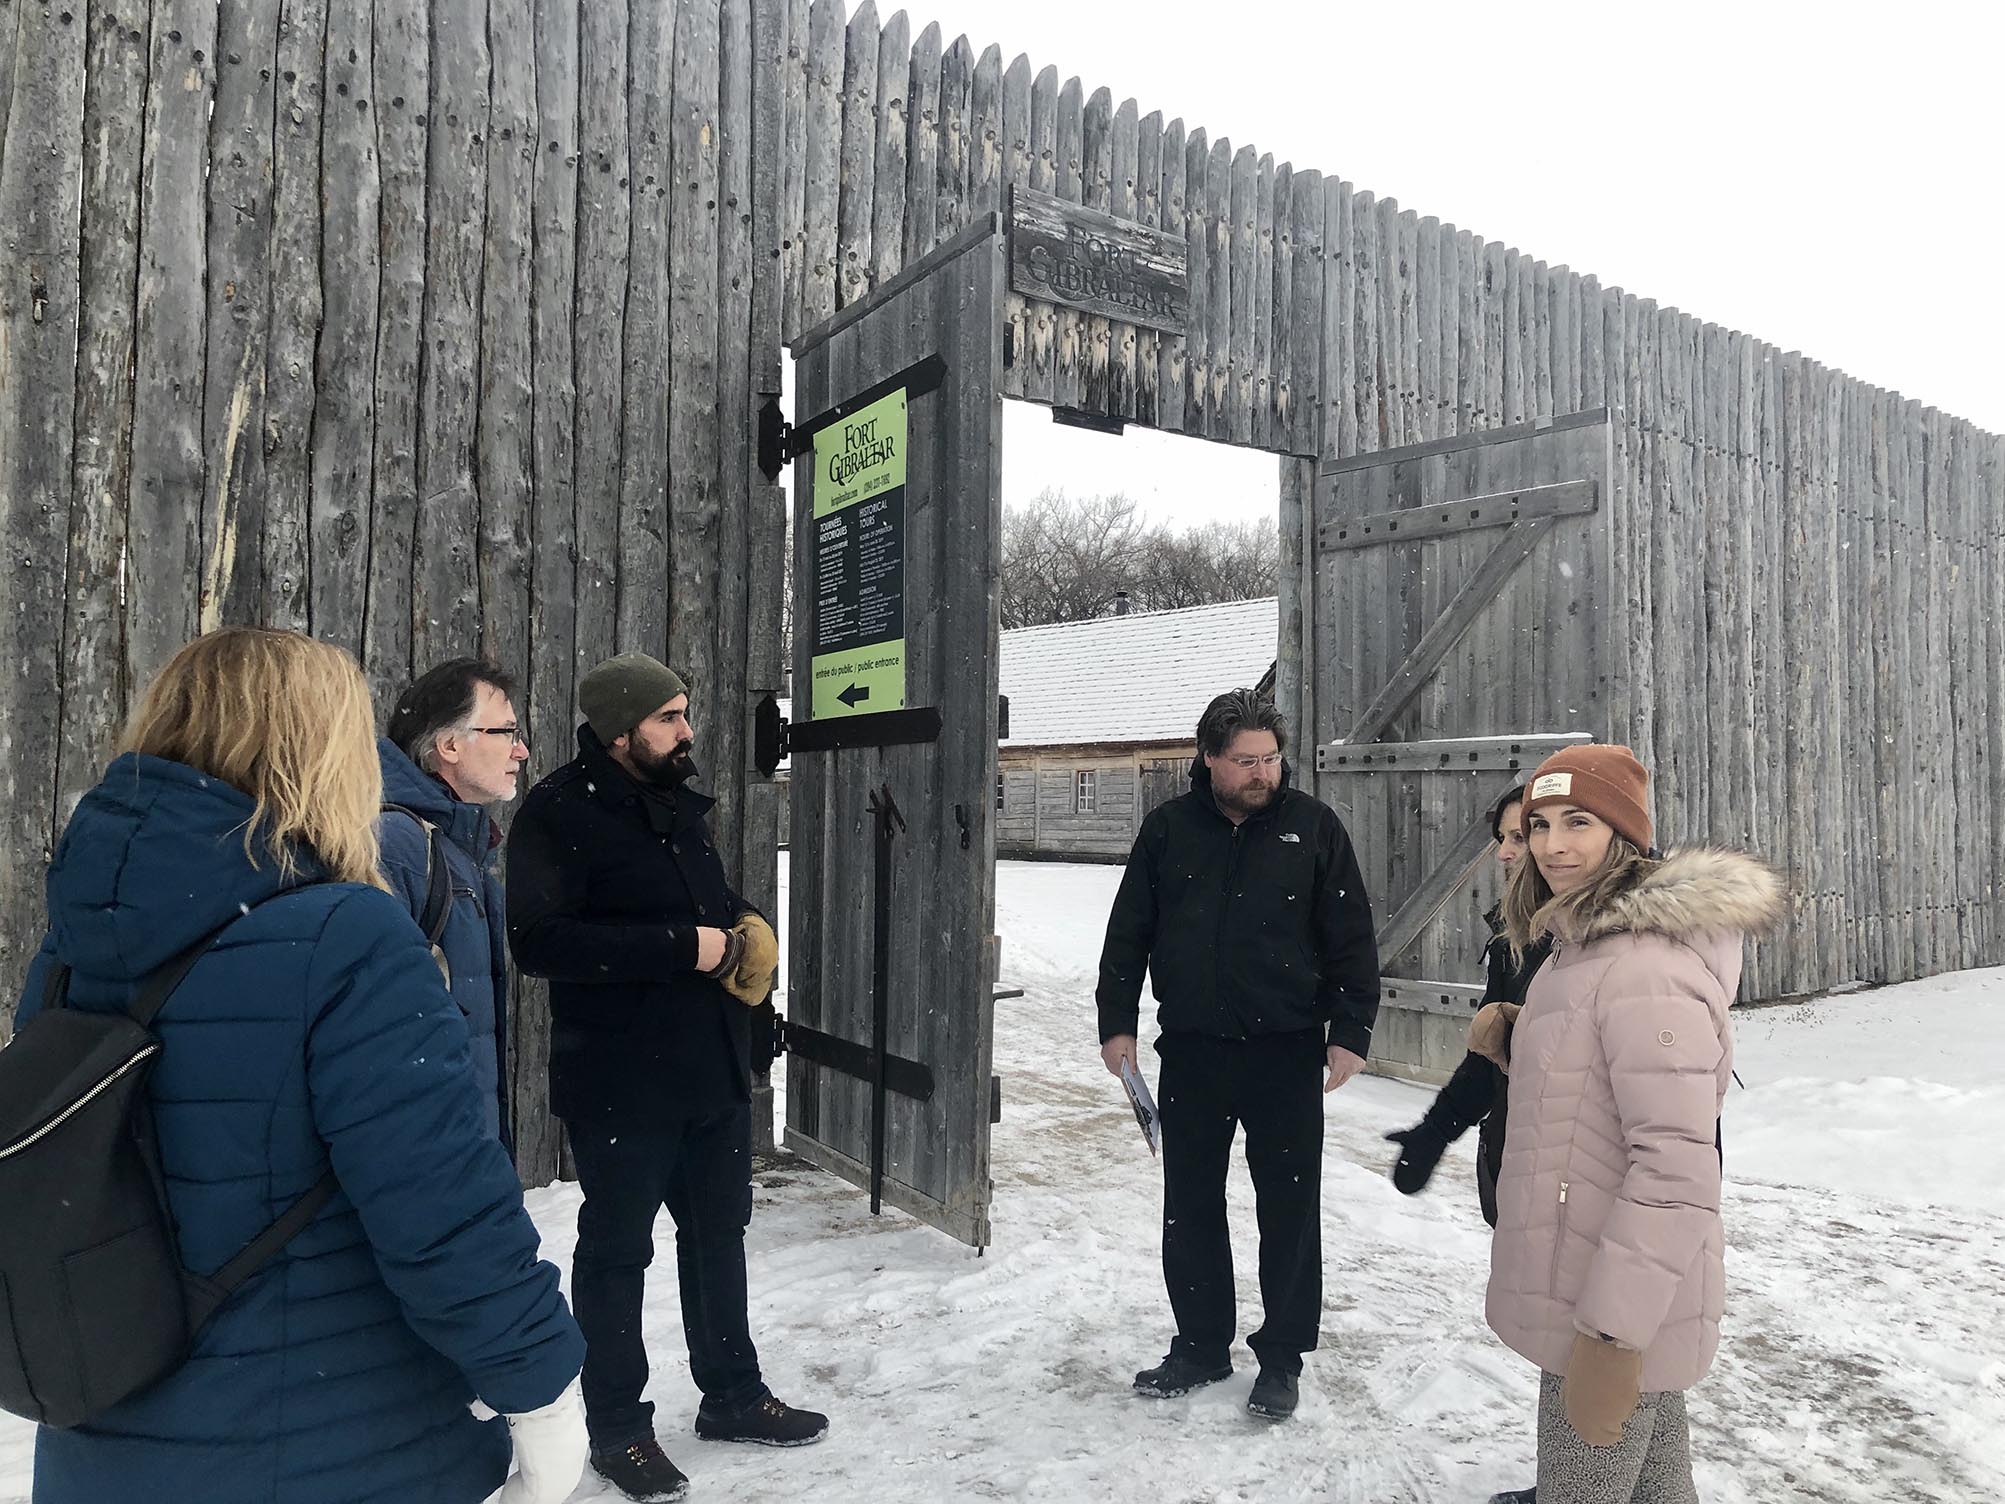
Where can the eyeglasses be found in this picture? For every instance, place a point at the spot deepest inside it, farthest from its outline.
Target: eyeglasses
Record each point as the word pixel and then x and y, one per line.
pixel 513 733
pixel 1248 764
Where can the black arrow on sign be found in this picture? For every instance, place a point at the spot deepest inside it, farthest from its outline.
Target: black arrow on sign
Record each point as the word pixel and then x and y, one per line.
pixel 853 694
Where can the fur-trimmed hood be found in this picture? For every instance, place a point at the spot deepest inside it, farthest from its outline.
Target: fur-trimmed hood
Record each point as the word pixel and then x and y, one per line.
pixel 1693 893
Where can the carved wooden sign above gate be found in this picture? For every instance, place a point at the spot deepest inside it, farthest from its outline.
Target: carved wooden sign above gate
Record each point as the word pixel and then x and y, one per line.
pixel 1066 253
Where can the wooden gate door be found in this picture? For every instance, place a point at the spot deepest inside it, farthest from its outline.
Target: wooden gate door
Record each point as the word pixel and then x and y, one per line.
pixel 1456 635
pixel 897 511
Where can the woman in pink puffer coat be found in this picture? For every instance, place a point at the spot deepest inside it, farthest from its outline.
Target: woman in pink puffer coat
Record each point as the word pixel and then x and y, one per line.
pixel 1607 1270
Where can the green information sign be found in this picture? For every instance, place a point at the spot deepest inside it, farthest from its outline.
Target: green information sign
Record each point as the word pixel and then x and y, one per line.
pixel 858 662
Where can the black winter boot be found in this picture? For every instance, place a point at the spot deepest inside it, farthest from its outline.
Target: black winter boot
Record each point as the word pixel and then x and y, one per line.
pixel 1516 1496
pixel 768 1422
pixel 641 1472
pixel 1274 1395
pixel 1177 1375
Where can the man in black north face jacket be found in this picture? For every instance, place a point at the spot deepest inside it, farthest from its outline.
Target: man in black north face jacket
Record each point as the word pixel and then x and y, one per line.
pixel 1243 902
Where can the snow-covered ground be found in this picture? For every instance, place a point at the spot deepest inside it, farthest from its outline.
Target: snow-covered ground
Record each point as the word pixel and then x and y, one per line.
pixel 1864 1357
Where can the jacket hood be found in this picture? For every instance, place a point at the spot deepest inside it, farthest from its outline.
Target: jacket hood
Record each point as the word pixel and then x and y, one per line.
pixel 405 783
pixel 152 860
pixel 1695 894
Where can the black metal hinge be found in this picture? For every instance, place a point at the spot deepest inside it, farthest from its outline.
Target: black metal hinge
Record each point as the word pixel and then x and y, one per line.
pixel 775 439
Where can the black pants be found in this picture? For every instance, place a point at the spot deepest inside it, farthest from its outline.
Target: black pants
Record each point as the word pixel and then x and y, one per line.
pixel 1273 1084
pixel 701 1170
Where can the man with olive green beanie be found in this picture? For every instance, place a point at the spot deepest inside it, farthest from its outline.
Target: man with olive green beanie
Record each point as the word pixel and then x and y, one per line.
pixel 617 895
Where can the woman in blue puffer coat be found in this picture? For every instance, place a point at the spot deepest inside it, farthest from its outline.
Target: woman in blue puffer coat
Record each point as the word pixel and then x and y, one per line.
pixel 316 1033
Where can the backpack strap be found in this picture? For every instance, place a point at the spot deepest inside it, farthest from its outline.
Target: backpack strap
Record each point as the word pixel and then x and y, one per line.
pixel 206 1295
pixel 438 878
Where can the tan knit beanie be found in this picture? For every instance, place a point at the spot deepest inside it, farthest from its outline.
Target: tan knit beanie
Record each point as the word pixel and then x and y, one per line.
pixel 1606 781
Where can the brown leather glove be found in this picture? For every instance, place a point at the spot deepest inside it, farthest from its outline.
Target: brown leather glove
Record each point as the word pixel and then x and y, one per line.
pixel 1490 1033
pixel 751 981
pixel 1603 1383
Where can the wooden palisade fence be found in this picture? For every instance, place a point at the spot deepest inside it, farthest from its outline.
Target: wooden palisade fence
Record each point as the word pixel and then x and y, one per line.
pixel 440 325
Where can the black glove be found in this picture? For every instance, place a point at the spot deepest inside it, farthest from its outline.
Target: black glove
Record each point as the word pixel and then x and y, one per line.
pixel 1420 1150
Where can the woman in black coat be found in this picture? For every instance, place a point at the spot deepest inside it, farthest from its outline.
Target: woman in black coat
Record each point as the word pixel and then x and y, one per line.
pixel 1476 1092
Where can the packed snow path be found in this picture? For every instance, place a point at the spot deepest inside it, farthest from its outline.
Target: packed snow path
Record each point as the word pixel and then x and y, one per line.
pixel 1864 1353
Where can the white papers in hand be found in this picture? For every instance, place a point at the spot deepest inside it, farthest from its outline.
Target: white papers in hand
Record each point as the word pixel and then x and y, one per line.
pixel 1145 1105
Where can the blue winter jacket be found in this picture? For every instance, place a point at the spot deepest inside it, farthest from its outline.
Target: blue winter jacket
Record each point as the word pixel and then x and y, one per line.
pixel 475 940
pixel 315 1033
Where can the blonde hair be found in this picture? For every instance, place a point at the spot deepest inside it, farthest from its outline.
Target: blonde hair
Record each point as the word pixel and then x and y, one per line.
pixel 1531 908
pixel 288 721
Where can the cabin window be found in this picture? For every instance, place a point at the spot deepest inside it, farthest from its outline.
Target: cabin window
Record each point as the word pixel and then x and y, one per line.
pixel 999 793
pixel 1086 791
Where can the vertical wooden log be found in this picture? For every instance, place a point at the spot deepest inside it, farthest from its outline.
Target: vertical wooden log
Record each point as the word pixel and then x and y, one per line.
pixel 730 712
pixel 1037 352
pixel 93 670
pixel 239 313
pixel 1219 222
pixel 1470 325
pixel 9 30
pixel 344 386
pixel 1259 385
pixel 1278 322
pixel 856 167
pixel 765 521
pixel 402 75
pixel 641 622
pixel 1307 207
pixel 506 433
pixel 1096 171
pixel 1148 207
pixel 1339 352
pixel 694 551
pixel 953 193
pixel 1398 364
pixel 1172 350
pixel 1232 418
pixel 40 291
pixel 1013 168
pixel 821 188
pixel 985 174
pixel 164 548
pixel 1541 335
pixel 922 146
pixel 1428 357
pixel 1496 287
pixel 1369 384
pixel 445 609
pixel 1068 163
pixel 604 212
pixel 1122 352
pixel 296 313
pixel 797 65
pixel 894 86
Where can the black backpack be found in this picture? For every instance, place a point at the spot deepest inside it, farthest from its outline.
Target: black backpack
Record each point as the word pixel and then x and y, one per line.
pixel 94 1302
pixel 438 889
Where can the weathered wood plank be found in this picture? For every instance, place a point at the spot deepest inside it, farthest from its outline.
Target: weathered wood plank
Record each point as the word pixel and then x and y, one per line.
pixel 856 166
pixel 1308 211
pixel 296 310
pixel 164 551
pixel 1541 340
pixel 1037 349
pixel 693 247
pixel 952 185
pixel 94 691
pixel 1469 331
pixel 986 173
pixel 445 604
pixel 1340 317
pixel 826 128
pixel 1219 225
pixel 1277 322
pixel 239 314
pixel 654 184
pixel 505 436
pixel 39 316
pixel 894 100
pixel 9 30
pixel 1370 383
pixel 728 758
pixel 1068 324
pixel 922 146
pixel 1014 169
pixel 1428 355
pixel 1122 352
pixel 1147 193
pixel 1172 352
pixel 604 213
pixel 1233 415
pixel 795 27
pixel 1096 156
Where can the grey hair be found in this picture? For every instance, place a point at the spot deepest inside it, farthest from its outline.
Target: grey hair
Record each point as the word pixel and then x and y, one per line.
pixel 1235 711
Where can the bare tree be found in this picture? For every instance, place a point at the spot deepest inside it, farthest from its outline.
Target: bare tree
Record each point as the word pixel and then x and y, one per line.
pixel 1065 560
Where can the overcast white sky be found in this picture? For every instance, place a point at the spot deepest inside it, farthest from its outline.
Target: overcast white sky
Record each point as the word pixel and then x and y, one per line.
pixel 1823 176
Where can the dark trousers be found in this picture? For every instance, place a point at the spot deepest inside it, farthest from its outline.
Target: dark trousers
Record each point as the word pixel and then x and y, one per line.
pixel 700 1169
pixel 1272 1084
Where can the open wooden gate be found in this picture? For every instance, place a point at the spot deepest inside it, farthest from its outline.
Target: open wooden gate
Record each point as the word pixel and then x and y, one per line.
pixel 1454 636
pixel 897 511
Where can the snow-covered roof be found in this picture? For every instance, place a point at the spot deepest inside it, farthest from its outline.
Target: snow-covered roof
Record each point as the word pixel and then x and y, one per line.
pixel 1144 677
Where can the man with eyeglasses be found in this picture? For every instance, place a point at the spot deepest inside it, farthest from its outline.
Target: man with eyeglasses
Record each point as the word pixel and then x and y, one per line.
pixel 454 747
pixel 1243 903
